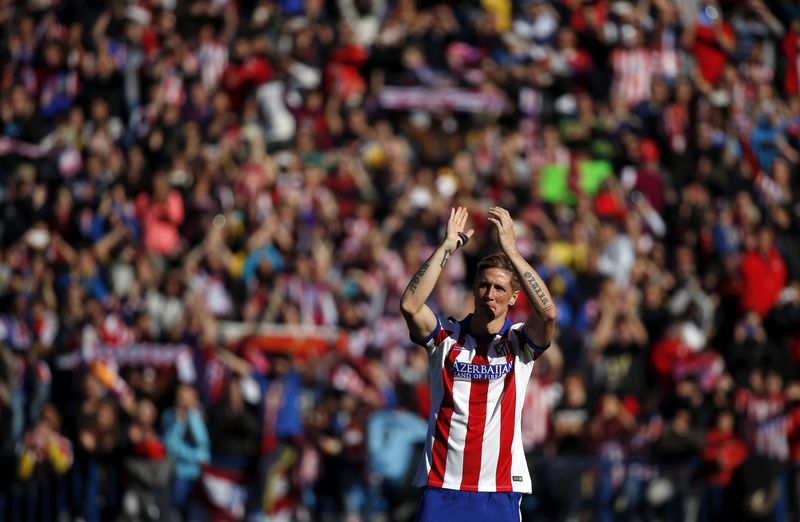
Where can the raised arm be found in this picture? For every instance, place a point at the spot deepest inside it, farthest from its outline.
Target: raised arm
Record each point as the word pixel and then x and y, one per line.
pixel 541 323
pixel 419 317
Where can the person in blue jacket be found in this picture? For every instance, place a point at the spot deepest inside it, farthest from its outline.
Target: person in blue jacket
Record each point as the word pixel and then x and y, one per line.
pixel 187 443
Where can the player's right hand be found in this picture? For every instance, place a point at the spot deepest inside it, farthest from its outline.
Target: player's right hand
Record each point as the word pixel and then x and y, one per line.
pixel 457 235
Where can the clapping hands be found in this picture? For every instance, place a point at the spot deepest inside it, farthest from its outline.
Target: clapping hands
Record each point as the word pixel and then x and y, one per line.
pixel 506 233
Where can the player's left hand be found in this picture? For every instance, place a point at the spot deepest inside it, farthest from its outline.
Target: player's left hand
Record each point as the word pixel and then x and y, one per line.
pixel 506 233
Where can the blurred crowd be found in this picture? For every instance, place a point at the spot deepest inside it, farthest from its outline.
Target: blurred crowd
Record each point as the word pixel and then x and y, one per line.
pixel 174 171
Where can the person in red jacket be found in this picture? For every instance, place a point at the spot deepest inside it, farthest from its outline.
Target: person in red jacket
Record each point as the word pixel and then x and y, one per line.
pixel 724 452
pixel 763 272
pixel 246 70
pixel 791 51
pixel 711 40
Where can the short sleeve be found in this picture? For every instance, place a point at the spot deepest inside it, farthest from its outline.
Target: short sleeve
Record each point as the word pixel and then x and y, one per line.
pixel 526 344
pixel 429 341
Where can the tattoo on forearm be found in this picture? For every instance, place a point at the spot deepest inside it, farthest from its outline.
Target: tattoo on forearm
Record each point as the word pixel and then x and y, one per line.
pixel 418 277
pixel 444 258
pixel 534 286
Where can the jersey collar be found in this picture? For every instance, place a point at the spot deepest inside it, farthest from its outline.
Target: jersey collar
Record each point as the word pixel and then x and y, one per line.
pixel 467 328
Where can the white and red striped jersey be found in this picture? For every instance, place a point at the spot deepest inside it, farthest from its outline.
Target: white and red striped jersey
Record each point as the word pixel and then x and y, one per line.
pixel 764 423
pixel 633 72
pixel 478 387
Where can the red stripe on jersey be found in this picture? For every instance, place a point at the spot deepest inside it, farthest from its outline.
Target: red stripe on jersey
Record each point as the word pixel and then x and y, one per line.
pixel 442 433
pixel 507 414
pixel 476 424
pixel 440 336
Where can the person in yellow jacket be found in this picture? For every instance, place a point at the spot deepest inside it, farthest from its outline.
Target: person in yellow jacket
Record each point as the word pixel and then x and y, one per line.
pixel 44 449
pixel 501 14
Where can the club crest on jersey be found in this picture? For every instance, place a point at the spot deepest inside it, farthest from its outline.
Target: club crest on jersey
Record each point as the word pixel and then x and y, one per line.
pixel 469 371
pixel 503 348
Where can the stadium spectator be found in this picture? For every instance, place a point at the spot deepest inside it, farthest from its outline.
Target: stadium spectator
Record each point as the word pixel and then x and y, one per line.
pixel 147 469
pixel 187 442
pixel 45 454
pixel 724 452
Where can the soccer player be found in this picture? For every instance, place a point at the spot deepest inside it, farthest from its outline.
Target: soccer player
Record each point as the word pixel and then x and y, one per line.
pixel 474 466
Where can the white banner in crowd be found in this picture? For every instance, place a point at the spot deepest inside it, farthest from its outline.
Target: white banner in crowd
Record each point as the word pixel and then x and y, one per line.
pixel 25 149
pixel 140 354
pixel 147 354
pixel 440 100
